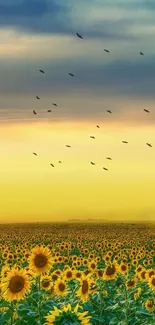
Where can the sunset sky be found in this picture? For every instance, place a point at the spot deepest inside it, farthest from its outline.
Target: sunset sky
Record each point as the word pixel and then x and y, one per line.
pixel 41 34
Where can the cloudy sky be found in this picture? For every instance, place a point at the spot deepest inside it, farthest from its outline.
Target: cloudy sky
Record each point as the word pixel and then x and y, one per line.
pixel 41 34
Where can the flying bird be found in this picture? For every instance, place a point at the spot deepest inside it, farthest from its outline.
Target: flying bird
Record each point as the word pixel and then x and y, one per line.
pixel 106 50
pixel 92 137
pixel 109 111
pixel 92 163
pixel 60 162
pixel 34 153
pixel 42 71
pixel 37 97
pixel 125 141
pixel 49 111
pixel 79 35
pixel 146 110
pixel 52 165
pixel 98 126
pixel 34 112
pixel 71 74
pixel 141 53
pixel 54 104
pixel 149 144
pixel 105 168
pixel 67 145
pixel 109 158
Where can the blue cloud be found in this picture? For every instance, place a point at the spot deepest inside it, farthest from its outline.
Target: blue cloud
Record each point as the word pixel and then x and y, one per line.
pixel 25 8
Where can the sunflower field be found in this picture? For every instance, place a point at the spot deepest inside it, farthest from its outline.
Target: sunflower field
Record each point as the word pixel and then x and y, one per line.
pixel 77 274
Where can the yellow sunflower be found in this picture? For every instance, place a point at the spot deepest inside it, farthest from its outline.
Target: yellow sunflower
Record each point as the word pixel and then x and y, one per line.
pixel 110 272
pixel 85 287
pixel 60 288
pixel 152 282
pixel 150 304
pixel 69 314
pixel 40 260
pixel 46 282
pixel 15 285
pixel 131 283
pixel 137 293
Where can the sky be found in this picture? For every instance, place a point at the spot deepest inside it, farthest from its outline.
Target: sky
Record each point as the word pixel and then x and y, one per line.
pixel 41 34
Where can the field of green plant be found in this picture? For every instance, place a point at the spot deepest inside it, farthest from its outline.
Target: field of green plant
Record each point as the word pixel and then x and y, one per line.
pixel 77 274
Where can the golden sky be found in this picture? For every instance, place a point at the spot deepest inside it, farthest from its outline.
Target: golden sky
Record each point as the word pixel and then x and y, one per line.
pixel 31 190
pixel 44 37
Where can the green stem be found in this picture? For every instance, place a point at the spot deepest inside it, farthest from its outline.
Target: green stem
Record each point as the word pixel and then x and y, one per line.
pixel 126 305
pixel 12 309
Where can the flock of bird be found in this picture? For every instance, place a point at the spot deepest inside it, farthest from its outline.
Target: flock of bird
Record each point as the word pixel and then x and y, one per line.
pixel 108 111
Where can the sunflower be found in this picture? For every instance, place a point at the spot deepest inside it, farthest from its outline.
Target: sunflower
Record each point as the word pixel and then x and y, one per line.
pixel 40 260
pixel 60 288
pixel 152 282
pixel 131 283
pixel 15 285
pixel 46 282
pixel 110 272
pixel 85 287
pixel 123 268
pixel 92 266
pixel 137 293
pixel 77 274
pixel 150 304
pixel 68 314
pixel 68 274
pixel 149 273
pixel 4 271
pixel 142 275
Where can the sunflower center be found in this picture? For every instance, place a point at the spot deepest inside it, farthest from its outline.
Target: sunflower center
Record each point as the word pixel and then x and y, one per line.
pixel 69 274
pixel 78 274
pixel 62 287
pixel 54 277
pixel 151 273
pixel 110 270
pixel 84 286
pixel 131 283
pixel 40 260
pixel 93 266
pixel 16 284
pixel 153 281
pixel 123 267
pixel 45 283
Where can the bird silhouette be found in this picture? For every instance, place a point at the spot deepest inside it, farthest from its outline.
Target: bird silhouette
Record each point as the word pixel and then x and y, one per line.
pixel 92 163
pixel 146 110
pixel 42 71
pixel 92 137
pixel 108 158
pixel 37 97
pixel 54 104
pixel 106 51
pixel 79 35
pixel 149 144
pixel 98 126
pixel 52 165
pixel 34 112
pixel 49 111
pixel 60 162
pixel 125 141
pixel 141 53
pixel 108 110
pixel 71 74
pixel 34 153
pixel 68 146
pixel 105 168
